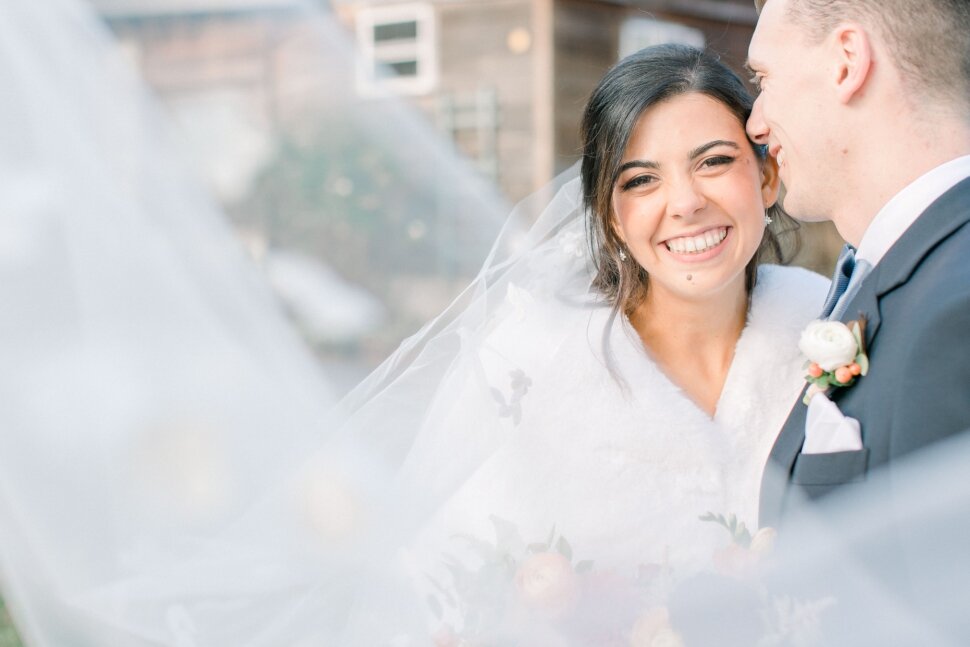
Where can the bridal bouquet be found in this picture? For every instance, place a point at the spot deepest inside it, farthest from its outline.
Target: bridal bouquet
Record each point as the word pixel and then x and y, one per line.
pixel 519 593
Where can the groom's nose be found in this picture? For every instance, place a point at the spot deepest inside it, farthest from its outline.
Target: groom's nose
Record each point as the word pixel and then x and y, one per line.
pixel 756 126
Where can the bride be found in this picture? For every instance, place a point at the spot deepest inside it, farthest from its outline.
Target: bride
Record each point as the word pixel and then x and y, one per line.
pixel 612 375
pixel 626 392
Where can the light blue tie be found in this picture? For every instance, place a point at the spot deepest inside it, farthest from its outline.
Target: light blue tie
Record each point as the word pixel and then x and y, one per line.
pixel 840 280
pixel 861 271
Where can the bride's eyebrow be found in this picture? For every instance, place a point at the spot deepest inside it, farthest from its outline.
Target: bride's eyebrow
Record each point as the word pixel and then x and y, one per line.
pixel 703 148
pixel 697 152
pixel 650 164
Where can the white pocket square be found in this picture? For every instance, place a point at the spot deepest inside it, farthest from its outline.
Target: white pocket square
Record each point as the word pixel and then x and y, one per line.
pixel 827 430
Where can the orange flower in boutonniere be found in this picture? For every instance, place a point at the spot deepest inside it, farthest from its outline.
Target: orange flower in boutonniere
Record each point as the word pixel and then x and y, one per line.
pixel 836 354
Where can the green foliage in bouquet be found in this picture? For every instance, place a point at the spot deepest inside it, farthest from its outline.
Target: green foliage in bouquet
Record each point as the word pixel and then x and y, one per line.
pixel 740 534
pixel 8 632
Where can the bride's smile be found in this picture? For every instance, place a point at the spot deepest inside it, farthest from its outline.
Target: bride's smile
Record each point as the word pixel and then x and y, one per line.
pixel 699 248
pixel 697 244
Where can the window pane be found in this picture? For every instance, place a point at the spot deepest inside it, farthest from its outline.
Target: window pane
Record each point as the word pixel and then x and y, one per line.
pixel 396 31
pixel 392 69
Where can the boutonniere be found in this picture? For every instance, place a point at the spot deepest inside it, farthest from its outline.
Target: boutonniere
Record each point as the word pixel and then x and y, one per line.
pixel 836 354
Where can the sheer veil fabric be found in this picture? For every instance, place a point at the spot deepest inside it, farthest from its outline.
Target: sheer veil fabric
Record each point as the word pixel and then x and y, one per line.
pixel 174 472
pixel 154 391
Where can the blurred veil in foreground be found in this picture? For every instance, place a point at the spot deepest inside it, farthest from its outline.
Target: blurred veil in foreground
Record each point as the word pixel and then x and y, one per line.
pixel 174 470
pixel 153 390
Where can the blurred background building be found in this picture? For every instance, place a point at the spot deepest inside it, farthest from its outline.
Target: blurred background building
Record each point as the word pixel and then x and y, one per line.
pixel 507 79
pixel 297 113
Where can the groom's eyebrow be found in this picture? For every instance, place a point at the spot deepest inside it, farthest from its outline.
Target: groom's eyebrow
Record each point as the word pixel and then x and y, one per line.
pixel 753 65
pixel 703 148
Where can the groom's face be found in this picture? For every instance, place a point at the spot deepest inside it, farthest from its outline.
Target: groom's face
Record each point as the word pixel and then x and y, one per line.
pixel 790 113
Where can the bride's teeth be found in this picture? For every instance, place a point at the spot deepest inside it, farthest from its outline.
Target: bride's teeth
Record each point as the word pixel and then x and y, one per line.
pixel 699 243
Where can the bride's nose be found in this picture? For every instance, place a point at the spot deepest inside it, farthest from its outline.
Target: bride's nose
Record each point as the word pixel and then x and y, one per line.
pixel 684 199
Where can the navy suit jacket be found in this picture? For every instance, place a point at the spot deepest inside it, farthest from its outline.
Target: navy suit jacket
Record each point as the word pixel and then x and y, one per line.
pixel 916 302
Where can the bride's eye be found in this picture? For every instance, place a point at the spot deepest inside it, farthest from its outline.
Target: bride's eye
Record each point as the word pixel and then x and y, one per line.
pixel 717 160
pixel 639 181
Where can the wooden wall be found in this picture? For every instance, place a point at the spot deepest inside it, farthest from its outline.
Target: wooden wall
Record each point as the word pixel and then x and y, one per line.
pixel 474 56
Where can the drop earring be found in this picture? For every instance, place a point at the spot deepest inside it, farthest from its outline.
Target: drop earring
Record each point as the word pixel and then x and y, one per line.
pixel 622 255
pixel 768 219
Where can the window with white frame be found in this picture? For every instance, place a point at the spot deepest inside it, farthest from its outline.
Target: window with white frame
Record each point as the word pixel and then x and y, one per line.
pixel 397 49
pixel 639 32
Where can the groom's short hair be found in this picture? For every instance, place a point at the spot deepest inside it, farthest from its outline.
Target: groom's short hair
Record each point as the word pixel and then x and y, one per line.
pixel 929 39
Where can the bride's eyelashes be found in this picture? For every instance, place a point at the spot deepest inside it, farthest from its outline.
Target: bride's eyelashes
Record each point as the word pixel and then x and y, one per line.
pixel 714 162
pixel 639 181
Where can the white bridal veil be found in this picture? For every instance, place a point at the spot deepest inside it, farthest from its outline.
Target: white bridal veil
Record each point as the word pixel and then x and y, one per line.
pixel 153 389
pixel 169 471
pixel 173 470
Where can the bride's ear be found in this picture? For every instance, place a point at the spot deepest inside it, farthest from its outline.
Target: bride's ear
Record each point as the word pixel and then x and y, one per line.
pixel 615 226
pixel 770 181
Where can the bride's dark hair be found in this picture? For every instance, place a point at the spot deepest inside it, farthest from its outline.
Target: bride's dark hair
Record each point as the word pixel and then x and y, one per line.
pixel 636 83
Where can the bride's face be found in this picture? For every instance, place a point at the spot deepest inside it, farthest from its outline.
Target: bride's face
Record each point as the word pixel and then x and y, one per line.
pixel 689 202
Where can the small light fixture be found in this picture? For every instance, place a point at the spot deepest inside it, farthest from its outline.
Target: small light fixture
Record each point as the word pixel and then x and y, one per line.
pixel 519 40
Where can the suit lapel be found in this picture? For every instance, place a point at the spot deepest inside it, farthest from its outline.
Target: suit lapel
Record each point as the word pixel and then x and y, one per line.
pixel 947 214
pixel 774 482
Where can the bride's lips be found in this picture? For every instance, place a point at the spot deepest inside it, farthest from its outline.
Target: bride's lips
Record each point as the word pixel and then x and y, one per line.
pixel 711 241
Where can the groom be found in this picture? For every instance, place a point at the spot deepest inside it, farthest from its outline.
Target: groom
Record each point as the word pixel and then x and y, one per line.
pixel 866 106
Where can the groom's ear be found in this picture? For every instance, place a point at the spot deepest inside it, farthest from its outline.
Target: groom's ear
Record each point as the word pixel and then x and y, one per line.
pixel 853 59
pixel 770 181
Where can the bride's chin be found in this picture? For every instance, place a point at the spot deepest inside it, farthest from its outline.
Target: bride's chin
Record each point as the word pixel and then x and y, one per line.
pixel 702 286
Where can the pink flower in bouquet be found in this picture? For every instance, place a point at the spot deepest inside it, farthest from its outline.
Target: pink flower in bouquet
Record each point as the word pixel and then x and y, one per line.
pixel 446 637
pixel 738 561
pixel 653 629
pixel 546 582
pixel 734 560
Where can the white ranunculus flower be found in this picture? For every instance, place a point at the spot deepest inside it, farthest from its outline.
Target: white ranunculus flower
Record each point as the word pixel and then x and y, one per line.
pixel 830 344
